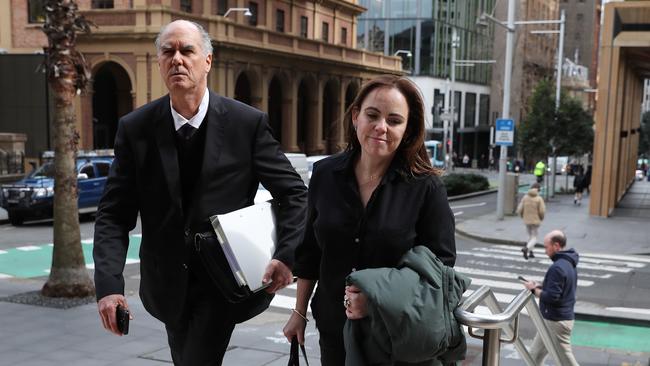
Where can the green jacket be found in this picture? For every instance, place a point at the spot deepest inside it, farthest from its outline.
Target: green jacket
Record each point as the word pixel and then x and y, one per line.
pixel 410 314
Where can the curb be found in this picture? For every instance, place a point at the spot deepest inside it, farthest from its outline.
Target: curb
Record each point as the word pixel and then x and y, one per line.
pixel 470 195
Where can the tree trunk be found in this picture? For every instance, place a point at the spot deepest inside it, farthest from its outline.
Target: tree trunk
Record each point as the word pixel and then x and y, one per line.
pixel 68 275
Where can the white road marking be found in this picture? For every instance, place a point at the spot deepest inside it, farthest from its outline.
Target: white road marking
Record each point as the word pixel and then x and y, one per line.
pixel 458 213
pixel 510 275
pixel 632 258
pixel 630 310
pixel 469 205
pixel 28 248
pixel 3 276
pixel 522 269
pixel 544 261
pixel 583 259
pixel 3 252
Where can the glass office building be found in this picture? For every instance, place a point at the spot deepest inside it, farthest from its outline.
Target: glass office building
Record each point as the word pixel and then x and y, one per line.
pixel 420 31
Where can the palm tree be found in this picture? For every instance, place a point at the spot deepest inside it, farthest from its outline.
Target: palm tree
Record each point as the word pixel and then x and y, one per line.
pixel 67 75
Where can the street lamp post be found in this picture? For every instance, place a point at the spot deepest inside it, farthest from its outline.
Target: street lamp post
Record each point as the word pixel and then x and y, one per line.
pixel 507 77
pixel 246 11
pixel 558 89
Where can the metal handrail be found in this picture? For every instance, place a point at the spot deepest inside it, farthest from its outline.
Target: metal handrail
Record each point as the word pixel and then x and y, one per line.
pixel 501 320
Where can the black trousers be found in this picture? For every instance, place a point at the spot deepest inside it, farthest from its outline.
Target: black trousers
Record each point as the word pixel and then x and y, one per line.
pixel 203 337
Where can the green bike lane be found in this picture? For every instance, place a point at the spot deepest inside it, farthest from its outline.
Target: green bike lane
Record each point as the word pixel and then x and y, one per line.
pixel 35 260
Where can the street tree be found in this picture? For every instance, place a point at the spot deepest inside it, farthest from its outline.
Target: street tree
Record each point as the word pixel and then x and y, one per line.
pixel 67 75
pixel 574 132
pixel 545 131
pixel 536 130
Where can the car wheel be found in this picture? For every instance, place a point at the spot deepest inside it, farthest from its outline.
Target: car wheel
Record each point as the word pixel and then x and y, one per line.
pixel 16 220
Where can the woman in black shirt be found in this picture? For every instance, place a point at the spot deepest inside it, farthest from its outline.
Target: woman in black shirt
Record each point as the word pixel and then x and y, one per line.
pixel 367 207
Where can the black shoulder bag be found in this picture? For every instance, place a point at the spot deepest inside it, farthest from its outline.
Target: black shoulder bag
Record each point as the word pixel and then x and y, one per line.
pixel 294 357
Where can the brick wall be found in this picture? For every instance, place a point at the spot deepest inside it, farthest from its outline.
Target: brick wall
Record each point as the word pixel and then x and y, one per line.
pixel 23 34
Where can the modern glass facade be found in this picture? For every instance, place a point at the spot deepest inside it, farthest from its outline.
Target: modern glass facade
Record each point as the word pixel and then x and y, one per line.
pixel 424 27
pixel 421 31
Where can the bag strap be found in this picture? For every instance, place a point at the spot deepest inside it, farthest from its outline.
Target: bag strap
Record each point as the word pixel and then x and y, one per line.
pixel 294 357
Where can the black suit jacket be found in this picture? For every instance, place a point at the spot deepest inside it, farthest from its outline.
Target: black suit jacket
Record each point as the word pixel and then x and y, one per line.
pixel 239 153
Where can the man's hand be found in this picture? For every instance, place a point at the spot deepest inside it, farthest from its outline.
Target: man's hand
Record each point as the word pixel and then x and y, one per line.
pixel 107 306
pixel 279 274
pixel 530 284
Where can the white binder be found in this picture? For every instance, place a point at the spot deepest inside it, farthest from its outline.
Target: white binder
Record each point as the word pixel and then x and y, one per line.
pixel 248 238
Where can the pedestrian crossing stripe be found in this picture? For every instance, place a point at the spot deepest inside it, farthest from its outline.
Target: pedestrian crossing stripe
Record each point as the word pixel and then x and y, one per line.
pixel 584 258
pixel 28 248
pixel 620 257
pixel 515 258
pixel 541 270
pixel 510 275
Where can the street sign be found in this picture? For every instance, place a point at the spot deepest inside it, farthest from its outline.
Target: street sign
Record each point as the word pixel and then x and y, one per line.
pixel 505 132
pixel 448 116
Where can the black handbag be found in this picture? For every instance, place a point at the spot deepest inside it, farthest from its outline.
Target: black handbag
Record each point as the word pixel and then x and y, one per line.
pixel 294 357
pixel 214 261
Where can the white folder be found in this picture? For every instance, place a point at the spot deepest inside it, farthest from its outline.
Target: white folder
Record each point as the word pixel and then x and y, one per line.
pixel 247 237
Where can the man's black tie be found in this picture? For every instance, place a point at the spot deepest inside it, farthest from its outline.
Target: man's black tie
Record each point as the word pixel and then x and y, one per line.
pixel 186 131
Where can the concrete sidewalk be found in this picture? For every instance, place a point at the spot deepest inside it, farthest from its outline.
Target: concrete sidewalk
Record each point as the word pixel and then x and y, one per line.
pixel 627 233
pixel 35 336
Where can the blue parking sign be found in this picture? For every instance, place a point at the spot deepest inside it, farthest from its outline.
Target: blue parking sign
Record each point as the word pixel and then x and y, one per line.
pixel 505 132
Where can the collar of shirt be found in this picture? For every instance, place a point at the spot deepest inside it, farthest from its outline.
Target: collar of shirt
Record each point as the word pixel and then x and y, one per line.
pixel 196 120
pixel 346 167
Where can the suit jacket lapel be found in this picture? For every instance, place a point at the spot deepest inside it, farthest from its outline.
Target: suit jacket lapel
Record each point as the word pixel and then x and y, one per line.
pixel 167 149
pixel 216 120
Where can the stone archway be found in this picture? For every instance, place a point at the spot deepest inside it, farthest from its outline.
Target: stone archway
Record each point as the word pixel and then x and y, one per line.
pixel 330 117
pixel 111 99
pixel 243 89
pixel 274 108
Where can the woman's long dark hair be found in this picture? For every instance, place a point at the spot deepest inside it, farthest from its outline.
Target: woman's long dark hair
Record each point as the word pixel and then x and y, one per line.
pixel 411 150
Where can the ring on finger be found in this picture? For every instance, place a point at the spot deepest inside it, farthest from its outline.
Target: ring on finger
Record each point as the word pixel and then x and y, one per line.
pixel 346 302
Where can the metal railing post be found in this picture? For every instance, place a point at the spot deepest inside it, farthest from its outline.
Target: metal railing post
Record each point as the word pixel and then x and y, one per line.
pixel 501 321
pixel 491 347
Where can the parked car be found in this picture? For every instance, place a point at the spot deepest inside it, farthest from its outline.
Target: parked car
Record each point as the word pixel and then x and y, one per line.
pixel 310 163
pixel 299 162
pixel 639 174
pixel 560 167
pixel 32 197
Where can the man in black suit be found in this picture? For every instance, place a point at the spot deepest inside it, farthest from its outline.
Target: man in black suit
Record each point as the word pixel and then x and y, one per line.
pixel 178 160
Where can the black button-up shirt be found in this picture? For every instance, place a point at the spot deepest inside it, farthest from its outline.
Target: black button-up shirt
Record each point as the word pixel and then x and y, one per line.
pixel 342 236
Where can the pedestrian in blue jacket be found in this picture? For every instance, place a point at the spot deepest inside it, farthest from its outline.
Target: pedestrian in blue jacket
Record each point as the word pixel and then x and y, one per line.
pixel 557 298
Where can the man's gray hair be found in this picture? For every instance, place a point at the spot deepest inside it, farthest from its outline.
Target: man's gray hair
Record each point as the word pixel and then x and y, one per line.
pixel 206 42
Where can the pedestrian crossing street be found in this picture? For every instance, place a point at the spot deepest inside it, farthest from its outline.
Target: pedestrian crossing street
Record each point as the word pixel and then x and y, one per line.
pixel 498 267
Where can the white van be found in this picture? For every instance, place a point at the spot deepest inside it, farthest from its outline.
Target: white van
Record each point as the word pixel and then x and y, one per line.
pixel 562 163
pixel 299 162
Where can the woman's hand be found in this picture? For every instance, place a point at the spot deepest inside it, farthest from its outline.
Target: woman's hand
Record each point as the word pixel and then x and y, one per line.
pixel 355 302
pixel 295 327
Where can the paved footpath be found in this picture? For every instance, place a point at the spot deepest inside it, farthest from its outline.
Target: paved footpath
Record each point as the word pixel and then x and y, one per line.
pixel 35 336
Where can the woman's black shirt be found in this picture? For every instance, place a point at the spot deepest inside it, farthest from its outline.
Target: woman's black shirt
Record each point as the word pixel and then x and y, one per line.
pixel 342 236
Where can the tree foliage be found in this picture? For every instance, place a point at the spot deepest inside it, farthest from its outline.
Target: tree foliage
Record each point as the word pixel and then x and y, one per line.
pixel 569 131
pixel 574 134
pixel 535 132
pixel 67 75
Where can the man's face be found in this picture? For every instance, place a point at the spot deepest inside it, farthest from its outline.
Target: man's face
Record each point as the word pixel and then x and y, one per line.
pixel 550 247
pixel 184 66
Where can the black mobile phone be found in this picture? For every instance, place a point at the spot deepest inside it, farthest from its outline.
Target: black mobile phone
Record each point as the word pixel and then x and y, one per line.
pixel 522 279
pixel 122 317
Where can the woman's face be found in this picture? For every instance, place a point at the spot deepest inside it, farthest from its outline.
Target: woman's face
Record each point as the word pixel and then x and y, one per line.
pixel 381 122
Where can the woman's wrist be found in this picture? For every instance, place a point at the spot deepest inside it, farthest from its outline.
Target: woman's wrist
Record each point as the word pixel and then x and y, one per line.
pixel 302 314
